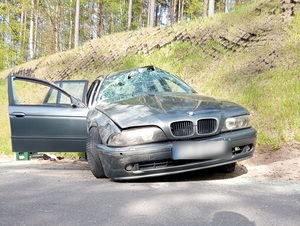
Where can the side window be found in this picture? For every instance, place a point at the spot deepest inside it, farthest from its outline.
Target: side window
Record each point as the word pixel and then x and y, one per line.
pixel 33 93
pixel 56 97
pixel 77 88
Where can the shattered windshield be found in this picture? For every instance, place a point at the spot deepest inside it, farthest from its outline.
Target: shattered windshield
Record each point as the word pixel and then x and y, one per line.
pixel 140 81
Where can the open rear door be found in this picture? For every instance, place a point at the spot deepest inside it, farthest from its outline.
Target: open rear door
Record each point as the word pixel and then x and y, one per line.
pixel 46 118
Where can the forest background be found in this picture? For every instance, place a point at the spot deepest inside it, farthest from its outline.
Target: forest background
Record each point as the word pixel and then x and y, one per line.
pixel 31 29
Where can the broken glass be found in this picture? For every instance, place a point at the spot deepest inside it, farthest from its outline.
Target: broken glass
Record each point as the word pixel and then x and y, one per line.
pixel 142 81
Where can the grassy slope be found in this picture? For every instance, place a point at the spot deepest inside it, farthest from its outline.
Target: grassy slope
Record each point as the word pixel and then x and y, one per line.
pixel 5 146
pixel 272 97
pixel 263 77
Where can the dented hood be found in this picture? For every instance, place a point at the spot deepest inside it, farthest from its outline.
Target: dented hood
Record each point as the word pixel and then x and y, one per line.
pixel 162 109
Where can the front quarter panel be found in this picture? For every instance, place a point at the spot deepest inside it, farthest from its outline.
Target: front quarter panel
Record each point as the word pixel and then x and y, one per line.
pixel 104 124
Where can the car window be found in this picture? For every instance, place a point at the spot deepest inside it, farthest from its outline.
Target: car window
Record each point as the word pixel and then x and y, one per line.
pixel 32 93
pixel 56 97
pixel 141 81
pixel 77 88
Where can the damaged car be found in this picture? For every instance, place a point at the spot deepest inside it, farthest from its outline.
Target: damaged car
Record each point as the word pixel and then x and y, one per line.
pixel 138 123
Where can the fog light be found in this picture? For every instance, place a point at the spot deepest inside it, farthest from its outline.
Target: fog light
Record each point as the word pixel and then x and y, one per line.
pixel 246 148
pixel 236 149
pixel 129 167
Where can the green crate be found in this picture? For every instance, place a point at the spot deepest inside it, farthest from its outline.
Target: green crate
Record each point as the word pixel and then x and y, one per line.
pixel 24 155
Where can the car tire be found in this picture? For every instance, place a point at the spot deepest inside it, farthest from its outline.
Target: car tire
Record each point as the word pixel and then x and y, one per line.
pixel 92 153
pixel 229 168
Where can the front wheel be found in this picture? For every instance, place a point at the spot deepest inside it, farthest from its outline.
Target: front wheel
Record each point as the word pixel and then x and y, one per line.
pixel 92 153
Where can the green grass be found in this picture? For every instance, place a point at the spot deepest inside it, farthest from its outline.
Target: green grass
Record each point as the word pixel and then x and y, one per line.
pixel 272 97
pixel 274 101
pixel 5 144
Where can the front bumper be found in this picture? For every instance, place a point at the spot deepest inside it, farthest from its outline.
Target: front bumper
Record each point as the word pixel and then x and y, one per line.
pixel 149 160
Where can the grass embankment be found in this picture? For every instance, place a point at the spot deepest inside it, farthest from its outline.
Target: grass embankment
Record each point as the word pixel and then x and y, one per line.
pixel 272 96
pixel 5 144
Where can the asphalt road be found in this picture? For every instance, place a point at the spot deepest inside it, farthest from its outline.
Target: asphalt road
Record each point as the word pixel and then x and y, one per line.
pixel 65 193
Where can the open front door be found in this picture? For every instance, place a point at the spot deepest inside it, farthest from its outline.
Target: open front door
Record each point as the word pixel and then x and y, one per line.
pixel 44 117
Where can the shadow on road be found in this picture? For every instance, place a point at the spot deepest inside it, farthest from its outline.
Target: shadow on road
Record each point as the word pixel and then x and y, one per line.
pixel 230 218
pixel 67 166
pixel 200 175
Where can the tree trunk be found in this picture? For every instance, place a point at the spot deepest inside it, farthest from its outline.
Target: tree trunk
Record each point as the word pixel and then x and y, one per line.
pixel 151 13
pixel 100 19
pixel 71 26
pixel 172 11
pixel 76 31
pixel 22 55
pixel 157 19
pixel 148 17
pixel 205 8
pixel 91 13
pixel 111 28
pixel 179 11
pixel 129 15
pixel 57 26
pixel 211 7
pixel 36 20
pixel 31 31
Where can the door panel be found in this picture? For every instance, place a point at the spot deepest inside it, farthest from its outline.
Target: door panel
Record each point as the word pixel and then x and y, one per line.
pixel 43 124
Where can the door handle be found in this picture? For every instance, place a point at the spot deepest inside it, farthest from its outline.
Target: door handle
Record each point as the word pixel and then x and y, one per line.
pixel 18 114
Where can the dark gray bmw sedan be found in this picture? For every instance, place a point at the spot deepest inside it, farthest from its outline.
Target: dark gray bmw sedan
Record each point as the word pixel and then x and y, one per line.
pixel 132 124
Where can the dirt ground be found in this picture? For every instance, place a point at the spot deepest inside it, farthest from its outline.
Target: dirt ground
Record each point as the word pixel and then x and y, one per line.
pixel 280 165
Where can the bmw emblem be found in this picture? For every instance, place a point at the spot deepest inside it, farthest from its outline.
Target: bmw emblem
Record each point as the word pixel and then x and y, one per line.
pixel 191 113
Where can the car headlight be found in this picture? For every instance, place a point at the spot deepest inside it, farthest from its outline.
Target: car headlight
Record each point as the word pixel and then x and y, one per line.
pixel 136 136
pixel 235 123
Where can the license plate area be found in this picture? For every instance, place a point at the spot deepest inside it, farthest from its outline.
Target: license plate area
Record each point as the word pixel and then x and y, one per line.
pixel 184 150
